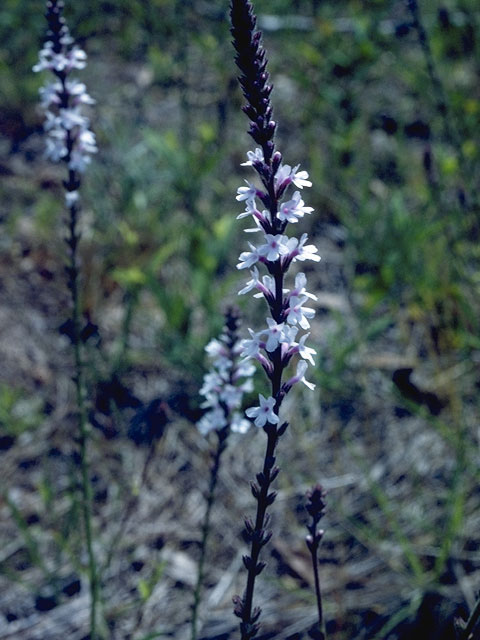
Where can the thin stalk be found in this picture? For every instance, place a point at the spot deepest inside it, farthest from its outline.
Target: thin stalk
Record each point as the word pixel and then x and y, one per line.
pixel 467 633
pixel 259 537
pixel 222 435
pixel 316 508
pixel 82 417
pixel 318 594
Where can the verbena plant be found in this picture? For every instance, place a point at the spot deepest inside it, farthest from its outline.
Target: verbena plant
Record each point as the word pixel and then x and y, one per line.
pixel 223 389
pixel 70 140
pixel 276 345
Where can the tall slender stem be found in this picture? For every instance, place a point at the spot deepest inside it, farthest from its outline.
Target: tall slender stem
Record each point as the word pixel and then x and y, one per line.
pixel 259 537
pixel 285 305
pixel 70 140
pixel 83 435
pixel 222 435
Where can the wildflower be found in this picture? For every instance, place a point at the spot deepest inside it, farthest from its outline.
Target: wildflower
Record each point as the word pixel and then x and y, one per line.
pixel 275 346
pixel 297 313
pixel 246 193
pixel 298 250
pixel 224 386
pixel 253 158
pixel 274 247
pixel 249 258
pixel 299 290
pixel 69 137
pixel 294 209
pixel 275 335
pixel 299 377
pixel 263 413
pixel 223 389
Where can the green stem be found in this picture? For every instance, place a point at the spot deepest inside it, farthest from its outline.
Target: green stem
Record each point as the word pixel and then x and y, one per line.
pixel 82 423
pixel 222 438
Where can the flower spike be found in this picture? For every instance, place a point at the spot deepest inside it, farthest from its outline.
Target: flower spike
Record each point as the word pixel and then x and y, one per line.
pixel 277 343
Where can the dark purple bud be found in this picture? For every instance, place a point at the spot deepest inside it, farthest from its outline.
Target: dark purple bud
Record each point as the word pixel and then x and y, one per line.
pixel 238 606
pixel 276 161
pixel 266 537
pixel 282 429
pixel 260 567
pixel 271 498
pixel 260 478
pixel 249 526
pixel 256 614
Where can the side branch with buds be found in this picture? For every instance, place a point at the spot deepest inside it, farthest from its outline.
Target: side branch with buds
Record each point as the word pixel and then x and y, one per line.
pixel 223 389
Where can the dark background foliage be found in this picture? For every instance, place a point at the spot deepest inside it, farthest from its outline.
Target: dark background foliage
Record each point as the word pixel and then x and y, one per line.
pixel 380 102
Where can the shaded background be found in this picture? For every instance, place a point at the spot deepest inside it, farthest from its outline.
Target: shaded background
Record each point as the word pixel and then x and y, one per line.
pixel 381 104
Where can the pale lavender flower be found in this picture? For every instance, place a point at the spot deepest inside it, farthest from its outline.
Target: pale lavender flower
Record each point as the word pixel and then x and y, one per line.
pixel 297 313
pixel 264 412
pixel 69 137
pixel 246 193
pixel 274 247
pixel 294 209
pixel 229 379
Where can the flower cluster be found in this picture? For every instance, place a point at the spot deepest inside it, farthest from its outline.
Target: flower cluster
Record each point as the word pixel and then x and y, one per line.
pixel 224 386
pixel 69 137
pixel 275 345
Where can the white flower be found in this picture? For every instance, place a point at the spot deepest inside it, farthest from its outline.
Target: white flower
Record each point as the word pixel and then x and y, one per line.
pixel 76 59
pixel 231 396
pixel 286 175
pixel 70 118
pixel 300 282
pixel 79 92
pixel 239 424
pixel 223 387
pixel 274 247
pixel 251 284
pixel 215 348
pixel 275 334
pixel 49 94
pixel 289 335
pixel 248 258
pixel 263 413
pixel 301 369
pixel 294 209
pixel 251 347
pixel 267 288
pixel 253 156
pixel 251 208
pixel 302 366
pixel 246 193
pixel 298 250
pixel 71 198
pixel 297 313
pixel 245 370
pixel 56 147
pixel 300 178
pixel 305 352
pixel 214 419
